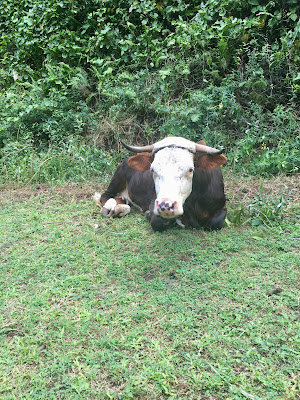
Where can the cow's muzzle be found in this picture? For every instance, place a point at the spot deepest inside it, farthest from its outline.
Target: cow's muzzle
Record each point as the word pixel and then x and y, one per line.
pixel 166 208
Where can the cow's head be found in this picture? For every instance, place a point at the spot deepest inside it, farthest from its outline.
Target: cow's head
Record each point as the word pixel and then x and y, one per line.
pixel 172 162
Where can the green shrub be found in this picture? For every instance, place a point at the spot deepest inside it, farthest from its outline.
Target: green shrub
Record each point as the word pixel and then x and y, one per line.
pixel 46 111
pixel 265 210
pixel 236 215
pixel 72 161
pixel 224 71
pixel 270 144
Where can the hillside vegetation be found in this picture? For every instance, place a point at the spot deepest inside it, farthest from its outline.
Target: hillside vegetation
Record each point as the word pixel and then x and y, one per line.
pixel 77 75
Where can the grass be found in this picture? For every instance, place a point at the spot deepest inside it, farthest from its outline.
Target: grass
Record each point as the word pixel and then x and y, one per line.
pixel 121 312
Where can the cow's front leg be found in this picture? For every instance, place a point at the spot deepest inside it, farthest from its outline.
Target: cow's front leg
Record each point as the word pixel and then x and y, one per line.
pixel 112 207
pixel 121 210
pixel 108 208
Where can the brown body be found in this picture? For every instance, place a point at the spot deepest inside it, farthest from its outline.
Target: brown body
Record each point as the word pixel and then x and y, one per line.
pixel 204 207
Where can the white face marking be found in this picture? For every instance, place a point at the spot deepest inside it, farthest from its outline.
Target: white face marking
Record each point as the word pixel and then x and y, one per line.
pixel 173 176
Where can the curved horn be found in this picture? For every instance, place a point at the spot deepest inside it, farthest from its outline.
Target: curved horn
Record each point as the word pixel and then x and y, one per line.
pixel 208 150
pixel 138 149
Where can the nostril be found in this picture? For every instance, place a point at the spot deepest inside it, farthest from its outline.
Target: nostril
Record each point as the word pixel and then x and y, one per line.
pixel 166 206
pixel 162 205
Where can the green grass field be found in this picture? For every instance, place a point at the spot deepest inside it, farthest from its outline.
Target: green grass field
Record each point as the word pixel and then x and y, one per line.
pixel 121 312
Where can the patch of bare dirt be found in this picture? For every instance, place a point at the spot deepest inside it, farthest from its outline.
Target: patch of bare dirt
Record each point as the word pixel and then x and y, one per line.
pixel 241 189
pixel 238 189
pixel 72 190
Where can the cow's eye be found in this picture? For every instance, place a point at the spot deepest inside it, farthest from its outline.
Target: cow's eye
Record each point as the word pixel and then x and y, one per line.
pixel 191 170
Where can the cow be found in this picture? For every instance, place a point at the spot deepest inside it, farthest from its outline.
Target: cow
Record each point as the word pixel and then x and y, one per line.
pixel 174 181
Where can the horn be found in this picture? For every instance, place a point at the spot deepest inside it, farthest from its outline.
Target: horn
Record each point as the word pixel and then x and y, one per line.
pixel 208 150
pixel 138 149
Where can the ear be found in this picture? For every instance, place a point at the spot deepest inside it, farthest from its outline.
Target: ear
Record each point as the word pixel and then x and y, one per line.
pixel 207 161
pixel 202 142
pixel 141 161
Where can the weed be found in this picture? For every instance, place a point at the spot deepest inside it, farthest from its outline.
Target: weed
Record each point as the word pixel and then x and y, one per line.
pixel 72 161
pixel 265 210
pixel 236 215
pixel 269 210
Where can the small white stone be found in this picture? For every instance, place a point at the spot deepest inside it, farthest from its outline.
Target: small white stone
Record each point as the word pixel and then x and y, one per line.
pixel 96 198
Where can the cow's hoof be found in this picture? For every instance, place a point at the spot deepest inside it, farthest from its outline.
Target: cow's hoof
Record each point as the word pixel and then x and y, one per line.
pixel 108 208
pixel 121 210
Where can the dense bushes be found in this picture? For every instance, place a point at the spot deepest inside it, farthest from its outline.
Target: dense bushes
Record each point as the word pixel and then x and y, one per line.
pixel 71 161
pixel 46 110
pixel 225 71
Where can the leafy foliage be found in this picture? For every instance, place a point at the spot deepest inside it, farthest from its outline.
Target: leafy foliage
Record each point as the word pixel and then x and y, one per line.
pixel 71 161
pixel 265 210
pixel 225 71
pixel 269 210
pixel 269 145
